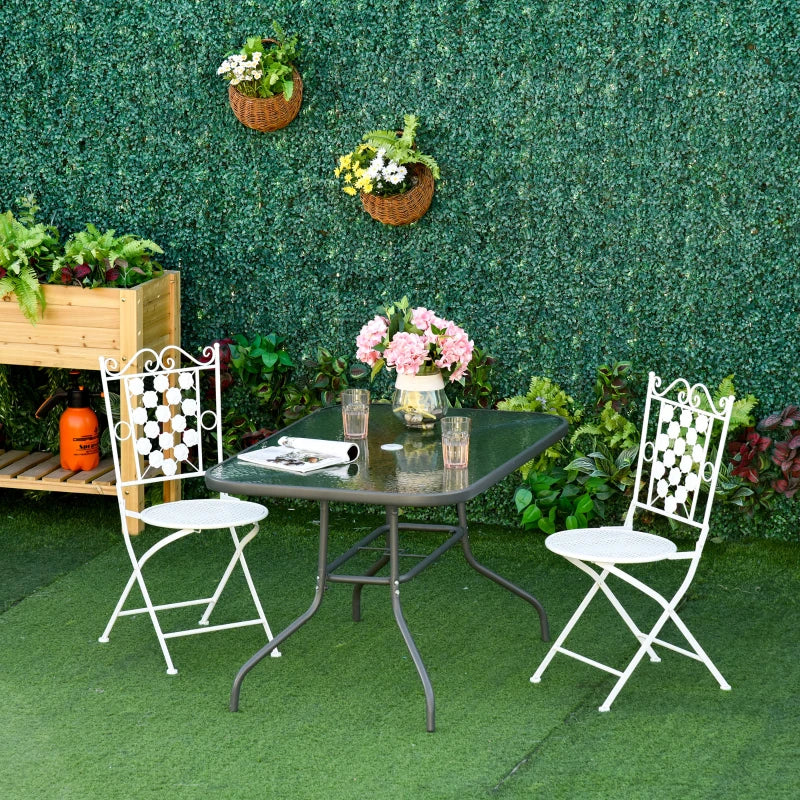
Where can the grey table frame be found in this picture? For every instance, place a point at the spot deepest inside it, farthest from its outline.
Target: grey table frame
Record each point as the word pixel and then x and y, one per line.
pixel 265 482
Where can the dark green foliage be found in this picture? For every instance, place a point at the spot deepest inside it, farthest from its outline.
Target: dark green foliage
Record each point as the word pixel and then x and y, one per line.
pixel 618 181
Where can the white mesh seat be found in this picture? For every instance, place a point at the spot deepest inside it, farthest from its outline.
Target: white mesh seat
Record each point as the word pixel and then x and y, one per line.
pixel 203 515
pixel 163 421
pixel 610 545
pixel 683 438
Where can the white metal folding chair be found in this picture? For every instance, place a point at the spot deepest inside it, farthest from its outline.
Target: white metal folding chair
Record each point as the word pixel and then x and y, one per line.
pixel 683 434
pixel 162 418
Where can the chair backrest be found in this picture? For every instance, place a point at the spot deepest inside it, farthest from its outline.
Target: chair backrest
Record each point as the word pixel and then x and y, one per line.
pixel 683 438
pixel 163 413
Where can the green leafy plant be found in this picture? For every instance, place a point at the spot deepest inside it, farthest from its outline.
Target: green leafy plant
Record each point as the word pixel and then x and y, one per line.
pixel 378 165
pixel 27 252
pixel 263 68
pixel 557 500
pixel 92 259
pixel 258 359
pixel 476 390
pixel 619 470
pixel 264 366
pixel 546 397
pixel 613 385
pixel 613 429
pixel 325 379
pixel 742 414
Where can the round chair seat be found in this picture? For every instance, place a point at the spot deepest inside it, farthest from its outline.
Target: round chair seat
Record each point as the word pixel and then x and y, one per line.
pixel 610 545
pixel 204 514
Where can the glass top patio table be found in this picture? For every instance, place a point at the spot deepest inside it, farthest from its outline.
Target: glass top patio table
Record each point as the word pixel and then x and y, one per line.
pixel 500 442
pixel 412 475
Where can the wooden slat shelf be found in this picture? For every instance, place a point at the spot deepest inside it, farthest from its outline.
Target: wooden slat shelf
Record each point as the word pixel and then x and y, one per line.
pixel 20 469
pixel 77 326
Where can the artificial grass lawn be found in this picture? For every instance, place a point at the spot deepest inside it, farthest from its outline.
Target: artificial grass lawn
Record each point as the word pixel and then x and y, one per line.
pixel 341 713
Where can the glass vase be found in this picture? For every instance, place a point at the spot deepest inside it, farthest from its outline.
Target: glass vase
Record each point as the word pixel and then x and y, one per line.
pixel 419 400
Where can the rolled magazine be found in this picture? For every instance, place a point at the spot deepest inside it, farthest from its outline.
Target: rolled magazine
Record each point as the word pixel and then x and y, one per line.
pixel 295 454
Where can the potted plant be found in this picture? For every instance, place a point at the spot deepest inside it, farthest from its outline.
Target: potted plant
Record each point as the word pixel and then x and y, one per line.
pixel 265 89
pixel 394 179
pixel 423 349
pixel 27 252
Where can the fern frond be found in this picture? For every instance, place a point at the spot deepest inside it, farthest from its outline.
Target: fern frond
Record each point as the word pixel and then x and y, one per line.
pixel 378 139
pixel 410 124
pixel 428 161
pixel 28 291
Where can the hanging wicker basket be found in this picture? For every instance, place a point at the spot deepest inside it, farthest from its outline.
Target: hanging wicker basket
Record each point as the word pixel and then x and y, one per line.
pixel 401 209
pixel 267 113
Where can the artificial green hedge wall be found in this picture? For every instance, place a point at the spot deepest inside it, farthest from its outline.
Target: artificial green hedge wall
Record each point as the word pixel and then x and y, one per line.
pixel 620 180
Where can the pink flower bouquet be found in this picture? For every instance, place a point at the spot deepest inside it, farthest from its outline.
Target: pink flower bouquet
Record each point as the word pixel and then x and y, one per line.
pixel 414 341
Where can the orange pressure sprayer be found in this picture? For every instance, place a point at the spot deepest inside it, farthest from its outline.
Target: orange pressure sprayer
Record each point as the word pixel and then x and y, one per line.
pixel 79 430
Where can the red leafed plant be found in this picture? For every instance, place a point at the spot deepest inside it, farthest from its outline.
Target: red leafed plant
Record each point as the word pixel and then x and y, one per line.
pixel 746 453
pixel 786 451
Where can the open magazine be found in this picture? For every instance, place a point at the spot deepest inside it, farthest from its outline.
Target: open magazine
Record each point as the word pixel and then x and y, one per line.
pixel 295 454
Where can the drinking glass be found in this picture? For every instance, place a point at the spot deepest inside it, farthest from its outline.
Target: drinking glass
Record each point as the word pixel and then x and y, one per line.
pixel 355 413
pixel 455 442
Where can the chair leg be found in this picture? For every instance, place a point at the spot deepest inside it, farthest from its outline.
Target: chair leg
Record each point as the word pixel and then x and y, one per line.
pixel 537 676
pixel 238 556
pixel 640 635
pixel 136 577
pixel 669 613
pixel 254 594
pixel 701 654
pixel 120 603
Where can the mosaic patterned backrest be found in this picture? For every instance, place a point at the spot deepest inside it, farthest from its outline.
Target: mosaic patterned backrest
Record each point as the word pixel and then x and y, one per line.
pixel 682 442
pixel 162 412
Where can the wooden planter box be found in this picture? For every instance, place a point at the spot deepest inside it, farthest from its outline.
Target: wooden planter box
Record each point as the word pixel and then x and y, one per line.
pixel 78 326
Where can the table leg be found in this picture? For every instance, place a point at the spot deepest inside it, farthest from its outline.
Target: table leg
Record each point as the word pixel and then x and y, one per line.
pixel 394 587
pixel 319 592
pixel 543 623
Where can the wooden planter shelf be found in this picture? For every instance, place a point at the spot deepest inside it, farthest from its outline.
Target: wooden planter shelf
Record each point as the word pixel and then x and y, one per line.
pixel 20 469
pixel 77 327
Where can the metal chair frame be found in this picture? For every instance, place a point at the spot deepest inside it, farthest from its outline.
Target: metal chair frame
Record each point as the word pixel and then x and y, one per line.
pixel 680 486
pixel 162 419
